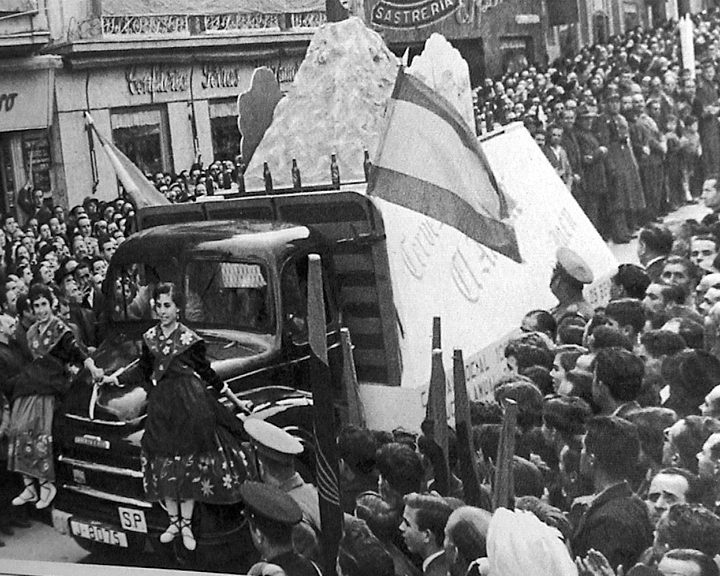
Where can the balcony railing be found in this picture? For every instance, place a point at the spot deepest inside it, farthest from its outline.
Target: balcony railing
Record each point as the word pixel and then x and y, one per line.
pixel 115 27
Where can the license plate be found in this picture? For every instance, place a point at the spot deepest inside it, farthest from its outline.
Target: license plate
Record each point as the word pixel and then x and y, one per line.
pixel 94 441
pixel 132 519
pixel 98 533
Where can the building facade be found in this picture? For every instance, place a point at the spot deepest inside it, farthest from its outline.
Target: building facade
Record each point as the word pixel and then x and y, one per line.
pixel 575 23
pixel 27 153
pixel 163 87
pixel 492 35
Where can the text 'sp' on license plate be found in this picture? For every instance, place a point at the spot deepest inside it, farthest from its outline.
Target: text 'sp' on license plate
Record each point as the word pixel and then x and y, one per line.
pixel 98 533
pixel 132 519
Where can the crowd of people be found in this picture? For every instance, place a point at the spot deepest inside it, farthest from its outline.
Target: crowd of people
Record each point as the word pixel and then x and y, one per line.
pixel 631 131
pixel 201 182
pixel 616 464
pixel 52 269
pixel 616 467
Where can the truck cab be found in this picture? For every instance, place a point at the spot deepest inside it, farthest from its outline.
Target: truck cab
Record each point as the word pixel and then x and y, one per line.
pixel 244 288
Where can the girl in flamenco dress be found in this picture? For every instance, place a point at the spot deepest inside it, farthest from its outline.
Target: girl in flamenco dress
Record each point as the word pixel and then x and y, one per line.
pixel 189 452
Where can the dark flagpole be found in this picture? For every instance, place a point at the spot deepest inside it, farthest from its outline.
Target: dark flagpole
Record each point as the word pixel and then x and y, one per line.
pixel 503 494
pixel 324 419
pixel 474 494
pixel 436 413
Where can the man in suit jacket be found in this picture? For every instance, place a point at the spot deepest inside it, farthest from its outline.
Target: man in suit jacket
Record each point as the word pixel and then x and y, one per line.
pixel 654 245
pixel 423 529
pixel 616 521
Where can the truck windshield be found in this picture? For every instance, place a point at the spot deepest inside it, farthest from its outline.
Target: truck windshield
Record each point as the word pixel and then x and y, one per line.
pixel 217 294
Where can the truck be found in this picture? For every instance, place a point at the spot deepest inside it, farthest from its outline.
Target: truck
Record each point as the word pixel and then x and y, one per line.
pixel 242 266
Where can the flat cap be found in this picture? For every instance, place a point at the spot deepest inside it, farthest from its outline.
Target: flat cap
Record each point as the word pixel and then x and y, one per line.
pixel 271 503
pixel 574 265
pixel 272 441
pixel 585 111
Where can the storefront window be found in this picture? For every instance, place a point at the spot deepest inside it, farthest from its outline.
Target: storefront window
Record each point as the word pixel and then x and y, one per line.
pixel 600 28
pixel 7 176
pixel 632 19
pixel 224 129
pixel 514 52
pixel 36 156
pixel 144 137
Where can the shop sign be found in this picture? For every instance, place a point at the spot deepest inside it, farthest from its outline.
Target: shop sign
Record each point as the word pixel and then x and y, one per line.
pixel 401 14
pixel 25 102
pixel 157 80
pixel 514 44
pixel 218 76
pixel 527 19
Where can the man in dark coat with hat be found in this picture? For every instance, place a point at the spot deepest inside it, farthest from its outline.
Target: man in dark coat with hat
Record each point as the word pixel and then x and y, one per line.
pixel 276 452
pixel 627 202
pixel 271 515
pixel 706 107
pixel 592 156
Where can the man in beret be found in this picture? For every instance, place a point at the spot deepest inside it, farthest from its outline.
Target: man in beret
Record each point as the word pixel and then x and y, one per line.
pixel 571 273
pixel 271 515
pixel 276 451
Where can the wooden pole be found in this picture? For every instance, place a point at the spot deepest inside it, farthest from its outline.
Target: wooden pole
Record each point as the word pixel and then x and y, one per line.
pixel 324 419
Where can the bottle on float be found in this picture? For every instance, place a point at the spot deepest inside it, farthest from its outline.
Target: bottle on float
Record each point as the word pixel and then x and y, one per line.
pixel 295 171
pixel 334 172
pixel 268 178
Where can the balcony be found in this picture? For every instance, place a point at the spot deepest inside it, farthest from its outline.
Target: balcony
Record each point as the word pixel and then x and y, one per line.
pixel 109 32
pixel 131 20
pixel 116 26
pixel 23 27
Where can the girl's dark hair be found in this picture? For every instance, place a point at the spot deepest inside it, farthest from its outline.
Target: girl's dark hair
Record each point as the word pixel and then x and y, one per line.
pixel 170 289
pixel 38 291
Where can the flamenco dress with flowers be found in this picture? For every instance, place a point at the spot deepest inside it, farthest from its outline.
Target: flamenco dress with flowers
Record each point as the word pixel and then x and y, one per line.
pixel 33 396
pixel 189 451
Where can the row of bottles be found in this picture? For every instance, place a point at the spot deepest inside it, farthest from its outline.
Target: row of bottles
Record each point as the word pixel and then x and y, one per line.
pixel 297 178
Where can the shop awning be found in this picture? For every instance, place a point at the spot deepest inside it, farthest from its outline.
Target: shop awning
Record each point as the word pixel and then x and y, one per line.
pixel 26 99
pixel 197 7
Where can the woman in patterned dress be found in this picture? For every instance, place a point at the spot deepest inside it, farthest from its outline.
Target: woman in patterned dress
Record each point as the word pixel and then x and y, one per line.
pixel 189 453
pixel 33 394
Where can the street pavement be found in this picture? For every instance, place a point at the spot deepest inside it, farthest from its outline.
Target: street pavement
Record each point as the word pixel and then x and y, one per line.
pixel 40 542
pixel 628 252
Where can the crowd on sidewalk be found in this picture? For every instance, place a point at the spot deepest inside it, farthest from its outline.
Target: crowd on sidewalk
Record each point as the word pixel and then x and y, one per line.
pixel 631 131
pixel 616 464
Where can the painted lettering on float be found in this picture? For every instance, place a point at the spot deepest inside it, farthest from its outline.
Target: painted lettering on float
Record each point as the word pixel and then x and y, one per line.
pixel 470 264
pixel 395 14
pixel 7 101
pixel 417 248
